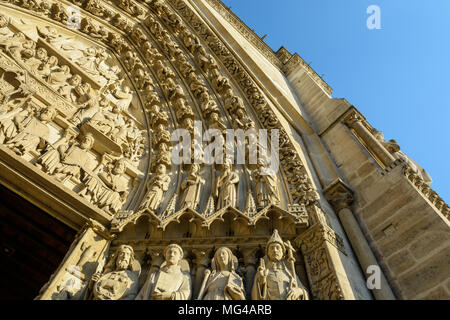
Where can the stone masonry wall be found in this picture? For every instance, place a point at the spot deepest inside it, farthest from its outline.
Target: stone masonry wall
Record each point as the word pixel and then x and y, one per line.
pixel 409 236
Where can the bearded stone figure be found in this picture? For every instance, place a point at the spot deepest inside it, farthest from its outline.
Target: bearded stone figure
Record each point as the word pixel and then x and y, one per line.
pixel 170 282
pixel 223 283
pixel 276 278
pixel 119 280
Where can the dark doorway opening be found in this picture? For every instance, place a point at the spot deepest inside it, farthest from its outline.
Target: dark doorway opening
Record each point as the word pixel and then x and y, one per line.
pixel 32 246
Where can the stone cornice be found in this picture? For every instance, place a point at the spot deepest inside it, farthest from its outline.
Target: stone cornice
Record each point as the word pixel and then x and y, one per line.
pixel 339 194
pixel 283 54
pixel 296 61
pixel 245 30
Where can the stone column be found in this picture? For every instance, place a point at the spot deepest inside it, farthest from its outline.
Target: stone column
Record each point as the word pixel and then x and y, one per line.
pixel 355 122
pixel 250 261
pixel 340 196
pixel 320 247
pixel 85 257
pixel 201 261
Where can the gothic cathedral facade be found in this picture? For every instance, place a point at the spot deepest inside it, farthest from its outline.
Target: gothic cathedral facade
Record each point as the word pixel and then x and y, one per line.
pixel 96 98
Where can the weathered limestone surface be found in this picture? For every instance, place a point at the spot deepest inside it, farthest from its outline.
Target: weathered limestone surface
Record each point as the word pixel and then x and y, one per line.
pixel 409 235
pixel 86 117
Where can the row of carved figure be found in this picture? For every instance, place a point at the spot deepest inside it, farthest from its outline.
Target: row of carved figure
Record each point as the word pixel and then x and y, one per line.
pixel 205 62
pixel 275 278
pixel 224 190
pixel 303 192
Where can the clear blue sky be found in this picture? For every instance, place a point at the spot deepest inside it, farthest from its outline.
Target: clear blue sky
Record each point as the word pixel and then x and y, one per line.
pixel 398 77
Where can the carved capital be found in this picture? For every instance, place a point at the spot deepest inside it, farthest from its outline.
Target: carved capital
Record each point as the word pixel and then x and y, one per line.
pixel 316 237
pixel 352 119
pixel 339 195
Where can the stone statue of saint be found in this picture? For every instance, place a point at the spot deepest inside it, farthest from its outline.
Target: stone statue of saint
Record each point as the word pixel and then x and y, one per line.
pixel 225 189
pixel 170 282
pixel 223 283
pixel 266 185
pixel 191 188
pixel 276 278
pixel 119 280
pixel 156 187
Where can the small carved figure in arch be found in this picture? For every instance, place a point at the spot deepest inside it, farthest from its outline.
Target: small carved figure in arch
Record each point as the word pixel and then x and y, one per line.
pixel 156 187
pixel 225 189
pixel 191 188
pixel 59 13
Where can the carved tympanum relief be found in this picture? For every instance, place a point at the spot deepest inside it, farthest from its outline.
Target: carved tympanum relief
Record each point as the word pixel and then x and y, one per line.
pixel 66 109
pixel 102 104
